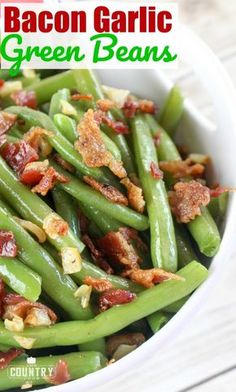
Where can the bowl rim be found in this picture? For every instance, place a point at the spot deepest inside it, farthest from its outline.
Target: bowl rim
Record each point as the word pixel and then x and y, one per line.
pixel 214 71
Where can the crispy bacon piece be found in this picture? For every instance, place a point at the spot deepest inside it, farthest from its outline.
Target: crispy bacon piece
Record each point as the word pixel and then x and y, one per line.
pixel 15 305
pixel 187 199
pixel 155 171
pixel 91 146
pixel 48 181
pixel 181 169
pixel 147 106
pixel 17 155
pixel 97 255
pixel 148 278
pixel 25 98
pixel 55 226
pixel 118 126
pixel 109 192
pixel 7 357
pixel 130 339
pixel 2 82
pixel 119 250
pixel 105 105
pixel 135 195
pixel 130 108
pixel 115 297
pixel 64 164
pixel 2 295
pixel 35 136
pixel 83 97
pixel 60 374
pixel 157 139
pixel 8 247
pixel 99 285
pixel 34 172
pixel 7 120
pixel 132 235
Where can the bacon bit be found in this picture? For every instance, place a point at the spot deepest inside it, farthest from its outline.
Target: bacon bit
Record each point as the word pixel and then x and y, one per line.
pixel 132 235
pixel 146 106
pixel 17 155
pixel 15 305
pixel 155 171
pixel 157 139
pixel 99 285
pixel 48 181
pixel 148 278
pixel 64 164
pixel 118 249
pixel 60 374
pixel 118 127
pixel 109 192
pixel 2 295
pixel 8 247
pixel 2 82
pixel 181 169
pixel 186 200
pixel 216 192
pixel 135 195
pixel 34 172
pixel 83 97
pixel 25 98
pixel 7 120
pixel 130 108
pixel 3 140
pixel 91 146
pixel 130 339
pixel 105 105
pixel 7 357
pixel 54 226
pixel 35 136
pixel 115 297
pixel 97 255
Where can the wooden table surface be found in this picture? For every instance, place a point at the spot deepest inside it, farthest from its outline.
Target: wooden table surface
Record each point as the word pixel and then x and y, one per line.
pixel 203 357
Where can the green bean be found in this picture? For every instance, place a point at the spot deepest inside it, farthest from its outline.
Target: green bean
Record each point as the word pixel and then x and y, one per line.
pixel 82 192
pixel 4 348
pixel 79 365
pixel 55 103
pixel 172 111
pixel 163 245
pixel 158 320
pixel 104 222
pixel 98 345
pixel 87 83
pixel 67 208
pixel 203 228
pixel 176 306
pixel 62 145
pixel 58 286
pixel 67 127
pixel 218 207
pixel 114 319
pixel 30 206
pixel 20 278
pixel 45 88
pixel 184 248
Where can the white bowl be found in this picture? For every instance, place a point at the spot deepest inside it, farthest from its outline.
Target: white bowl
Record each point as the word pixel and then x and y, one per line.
pixel 217 140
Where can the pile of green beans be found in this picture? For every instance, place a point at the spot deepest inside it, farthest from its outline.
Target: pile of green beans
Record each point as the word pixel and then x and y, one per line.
pixel 36 272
